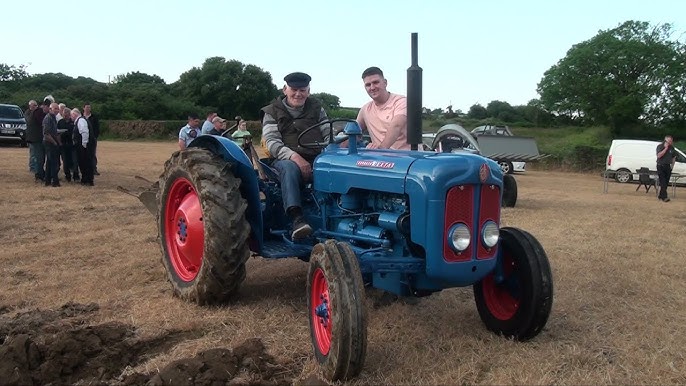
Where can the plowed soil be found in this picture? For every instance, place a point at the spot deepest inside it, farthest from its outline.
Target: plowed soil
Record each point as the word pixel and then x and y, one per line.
pixel 83 296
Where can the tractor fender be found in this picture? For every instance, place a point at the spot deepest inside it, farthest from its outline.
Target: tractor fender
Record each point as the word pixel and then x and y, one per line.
pixel 243 169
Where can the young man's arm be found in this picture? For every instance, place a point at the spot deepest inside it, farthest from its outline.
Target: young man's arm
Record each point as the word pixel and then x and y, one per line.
pixel 398 125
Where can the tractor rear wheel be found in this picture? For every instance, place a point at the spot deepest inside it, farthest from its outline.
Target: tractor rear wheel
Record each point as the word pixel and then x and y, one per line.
pixel 335 302
pixel 509 191
pixel 202 228
pixel 515 300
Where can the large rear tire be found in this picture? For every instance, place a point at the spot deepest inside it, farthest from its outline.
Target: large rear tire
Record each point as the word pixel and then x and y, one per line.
pixel 202 228
pixel 335 302
pixel 515 300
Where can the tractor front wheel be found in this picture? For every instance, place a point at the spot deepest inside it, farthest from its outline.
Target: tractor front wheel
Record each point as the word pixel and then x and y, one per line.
pixel 335 302
pixel 202 228
pixel 516 298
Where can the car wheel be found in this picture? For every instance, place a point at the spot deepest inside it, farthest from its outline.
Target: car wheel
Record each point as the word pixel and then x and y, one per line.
pixel 623 175
pixel 506 167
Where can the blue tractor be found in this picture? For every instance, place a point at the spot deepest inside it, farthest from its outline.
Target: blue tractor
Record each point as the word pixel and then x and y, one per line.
pixel 411 223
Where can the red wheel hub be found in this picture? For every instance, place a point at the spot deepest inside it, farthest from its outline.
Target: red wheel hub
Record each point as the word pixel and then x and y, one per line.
pixel 184 234
pixel 321 311
pixel 502 297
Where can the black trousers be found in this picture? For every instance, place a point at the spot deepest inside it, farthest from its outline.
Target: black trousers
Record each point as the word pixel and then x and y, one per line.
pixel 85 163
pixel 664 172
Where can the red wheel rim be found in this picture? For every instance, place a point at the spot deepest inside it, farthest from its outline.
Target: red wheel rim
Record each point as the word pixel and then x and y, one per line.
pixel 184 233
pixel 321 311
pixel 503 299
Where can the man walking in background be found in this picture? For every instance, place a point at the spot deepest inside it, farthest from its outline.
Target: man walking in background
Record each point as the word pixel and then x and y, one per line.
pixel 95 126
pixel 666 156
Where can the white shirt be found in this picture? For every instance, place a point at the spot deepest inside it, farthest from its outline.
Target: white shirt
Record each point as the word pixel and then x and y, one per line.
pixel 82 126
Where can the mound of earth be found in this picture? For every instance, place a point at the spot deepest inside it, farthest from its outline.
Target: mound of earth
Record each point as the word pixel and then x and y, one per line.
pixel 42 347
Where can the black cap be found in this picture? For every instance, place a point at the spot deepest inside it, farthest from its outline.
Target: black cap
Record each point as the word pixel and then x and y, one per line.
pixel 297 80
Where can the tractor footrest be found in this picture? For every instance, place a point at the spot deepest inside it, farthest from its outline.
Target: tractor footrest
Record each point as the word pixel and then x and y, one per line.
pixel 275 249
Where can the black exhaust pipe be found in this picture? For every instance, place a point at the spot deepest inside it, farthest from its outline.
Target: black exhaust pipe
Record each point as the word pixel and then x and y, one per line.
pixel 414 99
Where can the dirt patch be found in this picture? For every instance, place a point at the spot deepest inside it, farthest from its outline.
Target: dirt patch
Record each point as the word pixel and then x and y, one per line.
pixel 55 347
pixel 247 364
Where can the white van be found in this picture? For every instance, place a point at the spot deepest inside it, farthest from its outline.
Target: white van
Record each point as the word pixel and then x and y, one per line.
pixel 627 155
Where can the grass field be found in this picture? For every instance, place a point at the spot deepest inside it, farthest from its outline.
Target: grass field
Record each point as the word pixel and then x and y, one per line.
pixel 619 312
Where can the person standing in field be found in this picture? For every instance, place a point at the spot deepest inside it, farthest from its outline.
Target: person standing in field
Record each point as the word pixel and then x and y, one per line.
pixel 666 156
pixel 83 142
pixel 95 129
pixel 32 129
pixel 385 116
pixel 52 143
pixel 66 128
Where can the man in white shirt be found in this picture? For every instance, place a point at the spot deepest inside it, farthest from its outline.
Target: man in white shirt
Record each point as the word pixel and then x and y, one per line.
pixel 83 142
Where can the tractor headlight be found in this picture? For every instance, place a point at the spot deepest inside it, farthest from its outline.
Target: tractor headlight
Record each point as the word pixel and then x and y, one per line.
pixel 459 237
pixel 490 234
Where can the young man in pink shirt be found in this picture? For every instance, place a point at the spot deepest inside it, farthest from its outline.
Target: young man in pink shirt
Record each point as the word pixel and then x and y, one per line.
pixel 385 116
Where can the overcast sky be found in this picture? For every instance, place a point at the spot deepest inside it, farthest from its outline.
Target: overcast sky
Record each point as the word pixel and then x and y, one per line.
pixel 470 51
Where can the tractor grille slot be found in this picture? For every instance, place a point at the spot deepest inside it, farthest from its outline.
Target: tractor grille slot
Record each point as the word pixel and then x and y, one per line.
pixel 489 209
pixel 459 208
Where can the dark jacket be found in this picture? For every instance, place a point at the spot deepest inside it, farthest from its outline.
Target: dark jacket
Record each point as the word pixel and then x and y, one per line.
pixel 34 125
pixel 66 136
pixel 290 128
pixel 95 125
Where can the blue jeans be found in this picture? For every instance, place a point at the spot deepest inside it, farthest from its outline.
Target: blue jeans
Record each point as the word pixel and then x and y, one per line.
pixel 291 182
pixel 52 164
pixel 37 158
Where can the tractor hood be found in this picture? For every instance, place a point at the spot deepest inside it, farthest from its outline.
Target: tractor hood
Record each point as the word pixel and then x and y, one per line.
pixel 338 171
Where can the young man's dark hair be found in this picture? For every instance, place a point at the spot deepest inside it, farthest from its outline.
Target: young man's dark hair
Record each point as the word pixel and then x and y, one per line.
pixel 372 71
pixel 193 116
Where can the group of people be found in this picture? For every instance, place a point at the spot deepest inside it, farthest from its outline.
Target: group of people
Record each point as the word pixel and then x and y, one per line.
pixel 57 133
pixel 213 125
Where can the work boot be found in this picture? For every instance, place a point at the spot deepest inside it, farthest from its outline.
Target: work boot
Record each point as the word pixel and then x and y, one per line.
pixel 301 229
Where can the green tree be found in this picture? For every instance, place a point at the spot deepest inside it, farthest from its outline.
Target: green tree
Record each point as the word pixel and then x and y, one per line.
pixel 477 112
pixel 138 78
pixel 11 72
pixel 230 87
pixel 329 102
pixel 622 77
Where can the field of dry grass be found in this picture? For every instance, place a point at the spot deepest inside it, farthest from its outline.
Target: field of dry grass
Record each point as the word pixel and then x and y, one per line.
pixel 619 314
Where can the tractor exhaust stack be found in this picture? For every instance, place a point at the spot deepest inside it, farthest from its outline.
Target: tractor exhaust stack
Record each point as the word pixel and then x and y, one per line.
pixel 414 99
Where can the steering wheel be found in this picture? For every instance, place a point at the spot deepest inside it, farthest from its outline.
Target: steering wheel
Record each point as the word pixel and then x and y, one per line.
pixel 331 139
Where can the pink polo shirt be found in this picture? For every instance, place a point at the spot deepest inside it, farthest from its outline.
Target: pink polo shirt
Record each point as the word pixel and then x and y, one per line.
pixel 378 119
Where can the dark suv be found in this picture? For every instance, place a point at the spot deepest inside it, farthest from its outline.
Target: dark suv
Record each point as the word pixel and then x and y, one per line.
pixel 12 124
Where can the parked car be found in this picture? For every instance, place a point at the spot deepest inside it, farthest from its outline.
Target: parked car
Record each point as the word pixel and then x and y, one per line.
pixel 505 166
pixel 628 155
pixel 12 124
pixel 491 130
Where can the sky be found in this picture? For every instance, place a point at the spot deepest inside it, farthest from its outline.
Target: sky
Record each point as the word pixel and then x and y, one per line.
pixel 470 51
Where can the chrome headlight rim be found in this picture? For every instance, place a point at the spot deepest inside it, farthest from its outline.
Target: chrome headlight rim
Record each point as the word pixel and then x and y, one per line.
pixel 490 234
pixel 459 237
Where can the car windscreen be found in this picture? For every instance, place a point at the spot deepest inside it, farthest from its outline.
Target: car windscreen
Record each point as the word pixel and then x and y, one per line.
pixel 11 112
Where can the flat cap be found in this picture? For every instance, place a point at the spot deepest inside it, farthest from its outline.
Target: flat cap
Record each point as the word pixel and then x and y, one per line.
pixel 297 79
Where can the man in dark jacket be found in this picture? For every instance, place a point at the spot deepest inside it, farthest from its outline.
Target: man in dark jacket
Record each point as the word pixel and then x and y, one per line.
pixel 34 136
pixel 52 143
pixel 282 122
pixel 666 155
pixel 95 125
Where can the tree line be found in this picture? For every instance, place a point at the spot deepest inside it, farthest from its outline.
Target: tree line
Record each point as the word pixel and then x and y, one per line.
pixel 631 78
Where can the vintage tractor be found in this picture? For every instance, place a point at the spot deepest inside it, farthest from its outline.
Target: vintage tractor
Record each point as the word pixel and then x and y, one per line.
pixel 411 223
